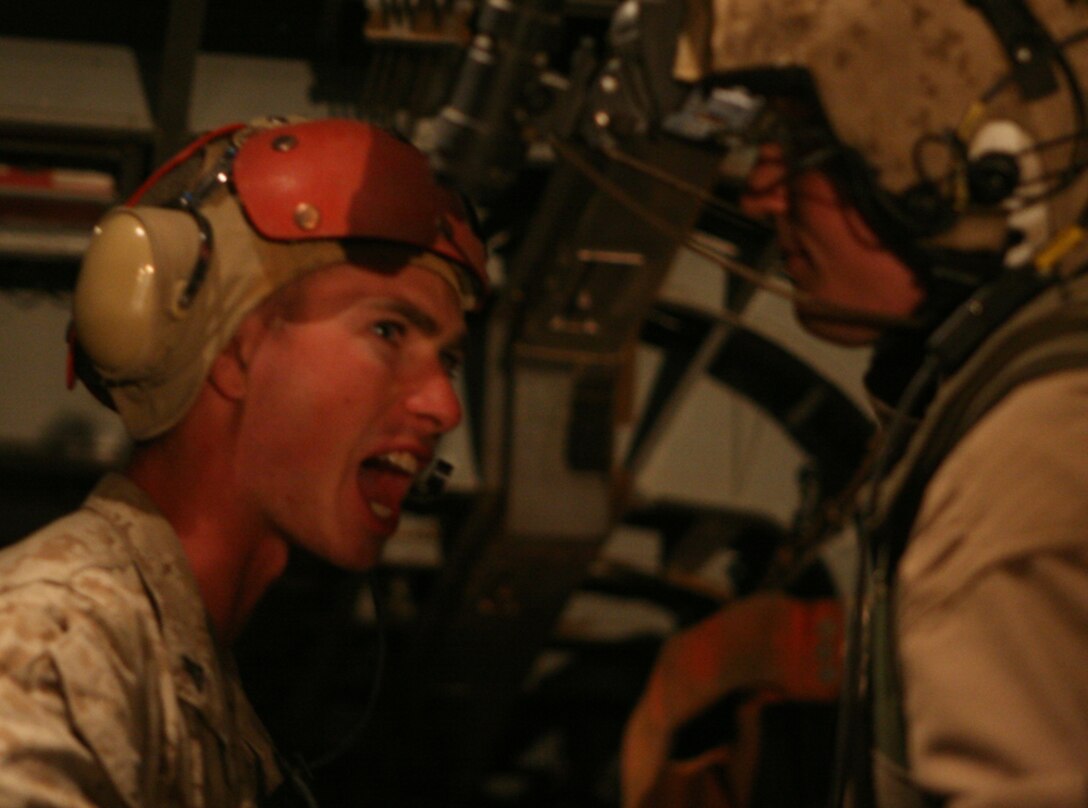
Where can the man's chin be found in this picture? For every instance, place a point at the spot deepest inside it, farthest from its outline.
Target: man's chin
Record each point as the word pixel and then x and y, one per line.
pixel 351 551
pixel 849 335
pixel 358 562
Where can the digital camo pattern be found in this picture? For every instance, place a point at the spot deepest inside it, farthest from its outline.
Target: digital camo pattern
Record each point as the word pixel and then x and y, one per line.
pixel 891 74
pixel 112 692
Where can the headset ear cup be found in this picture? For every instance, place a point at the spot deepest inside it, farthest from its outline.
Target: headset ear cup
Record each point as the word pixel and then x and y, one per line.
pixel 992 177
pixel 924 211
pixel 81 367
pixel 132 273
pixel 920 211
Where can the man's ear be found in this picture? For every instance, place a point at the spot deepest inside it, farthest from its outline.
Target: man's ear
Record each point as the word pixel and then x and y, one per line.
pixel 229 372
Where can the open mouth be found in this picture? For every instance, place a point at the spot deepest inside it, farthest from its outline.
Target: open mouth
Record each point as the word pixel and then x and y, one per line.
pixel 385 480
pixel 403 462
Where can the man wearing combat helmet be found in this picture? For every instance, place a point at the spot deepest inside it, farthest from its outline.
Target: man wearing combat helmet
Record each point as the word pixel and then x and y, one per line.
pixel 923 163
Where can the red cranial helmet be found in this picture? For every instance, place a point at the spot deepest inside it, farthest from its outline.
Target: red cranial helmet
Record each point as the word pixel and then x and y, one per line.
pixel 239 213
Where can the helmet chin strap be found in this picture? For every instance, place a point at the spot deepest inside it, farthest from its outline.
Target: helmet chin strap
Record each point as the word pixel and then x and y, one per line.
pixel 1027 44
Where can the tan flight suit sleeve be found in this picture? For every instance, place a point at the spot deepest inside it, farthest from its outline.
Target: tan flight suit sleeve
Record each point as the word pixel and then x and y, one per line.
pixel 993 609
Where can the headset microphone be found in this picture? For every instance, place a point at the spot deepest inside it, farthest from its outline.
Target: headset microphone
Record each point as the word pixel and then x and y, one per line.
pixel 433 479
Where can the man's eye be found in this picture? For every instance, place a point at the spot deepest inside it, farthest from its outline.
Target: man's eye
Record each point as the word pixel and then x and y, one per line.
pixel 452 363
pixel 389 330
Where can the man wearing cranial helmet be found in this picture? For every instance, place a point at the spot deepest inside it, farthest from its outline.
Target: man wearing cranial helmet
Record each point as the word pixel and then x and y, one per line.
pixel 923 163
pixel 276 316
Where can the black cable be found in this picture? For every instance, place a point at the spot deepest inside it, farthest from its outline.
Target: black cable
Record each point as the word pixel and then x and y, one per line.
pixel 352 736
pixel 854 695
pixel 296 791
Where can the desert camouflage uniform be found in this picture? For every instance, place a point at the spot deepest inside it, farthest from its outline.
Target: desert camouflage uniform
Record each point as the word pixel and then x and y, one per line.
pixel 112 690
pixel 987 644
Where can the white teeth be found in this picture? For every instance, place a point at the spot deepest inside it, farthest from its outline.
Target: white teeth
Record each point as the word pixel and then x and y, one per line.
pixel 405 461
pixel 381 511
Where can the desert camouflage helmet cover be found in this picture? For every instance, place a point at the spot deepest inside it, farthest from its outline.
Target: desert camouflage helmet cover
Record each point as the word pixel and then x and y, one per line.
pixel 156 300
pixel 890 73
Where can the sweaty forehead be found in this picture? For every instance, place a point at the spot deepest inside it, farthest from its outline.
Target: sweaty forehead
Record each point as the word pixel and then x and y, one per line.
pixel 417 293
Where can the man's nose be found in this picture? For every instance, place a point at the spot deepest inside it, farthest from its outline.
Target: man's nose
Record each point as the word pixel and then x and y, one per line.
pixel 765 194
pixel 434 398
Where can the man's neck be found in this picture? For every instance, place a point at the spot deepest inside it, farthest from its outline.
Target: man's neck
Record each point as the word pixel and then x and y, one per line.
pixel 233 556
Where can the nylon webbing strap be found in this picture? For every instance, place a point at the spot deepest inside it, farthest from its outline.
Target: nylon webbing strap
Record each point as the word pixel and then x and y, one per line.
pixel 1026 42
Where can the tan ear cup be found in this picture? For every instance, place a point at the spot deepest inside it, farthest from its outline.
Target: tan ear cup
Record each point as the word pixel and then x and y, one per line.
pixel 126 299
